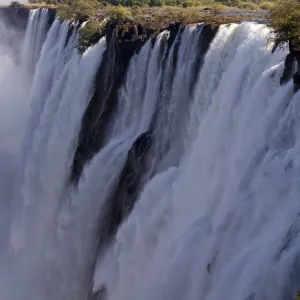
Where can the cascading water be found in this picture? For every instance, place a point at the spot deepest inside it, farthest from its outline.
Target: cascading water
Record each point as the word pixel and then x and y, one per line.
pixel 191 194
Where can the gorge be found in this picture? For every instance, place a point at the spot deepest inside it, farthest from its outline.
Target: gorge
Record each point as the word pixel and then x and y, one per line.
pixel 149 167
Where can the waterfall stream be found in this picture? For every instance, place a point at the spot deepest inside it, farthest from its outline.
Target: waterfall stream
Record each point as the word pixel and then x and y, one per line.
pixel 192 192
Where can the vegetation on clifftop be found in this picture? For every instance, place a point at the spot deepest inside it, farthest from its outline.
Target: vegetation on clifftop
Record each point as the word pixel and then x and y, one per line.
pixel 149 18
pixel 78 9
pixel 285 20
pixel 242 4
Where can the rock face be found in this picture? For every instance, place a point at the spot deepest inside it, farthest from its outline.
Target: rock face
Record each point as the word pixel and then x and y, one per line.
pixel 292 66
pixel 122 44
pixel 123 41
pixel 296 53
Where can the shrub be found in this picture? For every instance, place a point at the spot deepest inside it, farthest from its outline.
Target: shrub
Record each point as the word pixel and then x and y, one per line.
pixel 16 4
pixel 284 18
pixel 116 13
pixel 51 2
pixel 209 2
pixel 217 8
pixel 171 2
pixel 254 1
pixel 89 34
pixel 266 5
pixel 79 9
pixel 187 3
pixel 229 2
pixel 130 2
pixel 247 5
pixel 156 2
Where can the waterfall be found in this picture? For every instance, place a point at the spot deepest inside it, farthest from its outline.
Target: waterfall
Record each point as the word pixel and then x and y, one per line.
pixel 35 37
pixel 168 174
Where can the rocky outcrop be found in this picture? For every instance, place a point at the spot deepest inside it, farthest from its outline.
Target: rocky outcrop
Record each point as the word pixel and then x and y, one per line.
pixel 296 52
pixel 123 41
pixel 292 66
pixel 122 44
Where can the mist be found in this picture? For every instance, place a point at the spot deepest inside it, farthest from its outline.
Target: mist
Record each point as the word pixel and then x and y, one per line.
pixel 15 84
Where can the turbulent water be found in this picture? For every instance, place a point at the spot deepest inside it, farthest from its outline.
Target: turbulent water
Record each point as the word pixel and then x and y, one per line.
pixel 193 192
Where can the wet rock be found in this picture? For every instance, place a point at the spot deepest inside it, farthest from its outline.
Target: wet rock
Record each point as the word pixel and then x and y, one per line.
pixel 292 65
pixel 288 69
pixel 296 80
pixel 123 41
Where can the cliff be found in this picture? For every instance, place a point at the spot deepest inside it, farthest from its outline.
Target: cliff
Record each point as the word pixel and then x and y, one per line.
pixel 295 51
pixel 292 66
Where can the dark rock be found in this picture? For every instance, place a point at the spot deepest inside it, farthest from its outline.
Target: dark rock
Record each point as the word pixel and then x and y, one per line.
pixel 123 41
pixel 287 74
pixel 141 30
pixel 124 196
pixel 206 9
pixel 296 79
pixel 100 110
pixel 289 71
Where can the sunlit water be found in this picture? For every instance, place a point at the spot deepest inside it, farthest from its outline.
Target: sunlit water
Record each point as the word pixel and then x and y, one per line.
pixel 217 213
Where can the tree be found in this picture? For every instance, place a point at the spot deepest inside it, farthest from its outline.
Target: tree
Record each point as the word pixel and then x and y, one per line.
pixel 15 4
pixel 285 20
pixel 119 13
pixel 79 9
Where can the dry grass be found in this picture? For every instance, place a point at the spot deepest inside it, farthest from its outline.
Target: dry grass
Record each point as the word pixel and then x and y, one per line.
pixel 161 17
pixel 39 5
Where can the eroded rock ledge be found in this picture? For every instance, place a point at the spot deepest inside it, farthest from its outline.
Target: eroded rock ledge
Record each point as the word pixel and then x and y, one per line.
pixel 295 51
pixel 292 66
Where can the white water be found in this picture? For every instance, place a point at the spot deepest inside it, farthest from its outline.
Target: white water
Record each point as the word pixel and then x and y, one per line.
pixel 224 165
pixel 210 228
pixel 61 89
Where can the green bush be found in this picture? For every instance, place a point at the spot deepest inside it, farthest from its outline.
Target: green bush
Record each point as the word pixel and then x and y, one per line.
pixel 79 9
pixel 130 2
pixel 254 1
pixel 208 2
pixel 116 13
pixel 51 2
pixel 247 5
pixel 233 3
pixel 16 4
pixel 157 2
pixel 171 2
pixel 217 8
pixel 284 18
pixel 89 34
pixel 266 5
pixel 187 3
